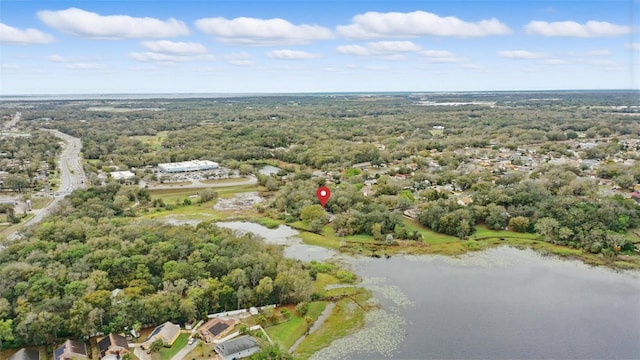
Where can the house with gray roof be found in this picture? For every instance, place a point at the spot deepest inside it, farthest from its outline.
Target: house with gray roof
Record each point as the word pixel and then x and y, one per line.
pixel 237 348
pixel 25 354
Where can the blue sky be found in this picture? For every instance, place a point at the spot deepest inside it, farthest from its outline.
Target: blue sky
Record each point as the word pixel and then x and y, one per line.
pixel 242 46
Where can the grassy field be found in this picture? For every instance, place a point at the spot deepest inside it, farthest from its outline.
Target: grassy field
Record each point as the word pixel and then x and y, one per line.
pixel 201 352
pixel 39 202
pixel 346 318
pixel 168 353
pixel 286 333
pixel 154 141
pixel 428 236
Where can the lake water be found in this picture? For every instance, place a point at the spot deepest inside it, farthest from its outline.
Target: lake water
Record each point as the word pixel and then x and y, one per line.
pixel 501 303
pixel 283 235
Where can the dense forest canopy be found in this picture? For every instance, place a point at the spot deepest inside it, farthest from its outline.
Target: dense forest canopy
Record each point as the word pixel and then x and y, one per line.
pixel 59 280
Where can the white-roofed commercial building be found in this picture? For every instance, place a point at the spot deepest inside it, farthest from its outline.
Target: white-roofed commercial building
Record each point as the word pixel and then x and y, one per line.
pixel 122 175
pixel 186 166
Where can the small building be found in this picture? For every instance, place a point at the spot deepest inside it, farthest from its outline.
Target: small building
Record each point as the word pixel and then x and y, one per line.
pixel 25 354
pixel 167 332
pixel 71 350
pixel 215 329
pixel 113 346
pixel 240 347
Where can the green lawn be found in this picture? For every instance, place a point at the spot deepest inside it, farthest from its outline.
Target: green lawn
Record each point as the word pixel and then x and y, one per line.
pixel 168 353
pixel 40 202
pixel 287 333
pixel 346 318
pixel 322 280
pixel 483 232
pixel 428 236
pixel 154 141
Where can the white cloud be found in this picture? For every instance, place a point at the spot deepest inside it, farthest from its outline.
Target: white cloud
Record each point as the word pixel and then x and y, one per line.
pixel 600 52
pixel 633 46
pixel 14 36
pixel 83 23
pixel 556 62
pixel 239 59
pixel 521 54
pixel 175 48
pixel 393 46
pixel 377 67
pixel 471 66
pixel 150 56
pixel 353 50
pixel 573 29
pixel 56 58
pixel 9 66
pixel 261 32
pixel 390 50
pixel 285 54
pixel 85 66
pixel 418 23
pixel 441 56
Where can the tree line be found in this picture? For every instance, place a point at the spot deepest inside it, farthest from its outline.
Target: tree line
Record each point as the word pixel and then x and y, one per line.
pixel 59 279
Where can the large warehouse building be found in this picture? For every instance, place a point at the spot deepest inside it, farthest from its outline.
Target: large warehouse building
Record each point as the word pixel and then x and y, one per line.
pixel 185 166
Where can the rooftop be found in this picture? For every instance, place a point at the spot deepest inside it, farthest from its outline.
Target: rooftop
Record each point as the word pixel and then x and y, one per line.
pixel 236 345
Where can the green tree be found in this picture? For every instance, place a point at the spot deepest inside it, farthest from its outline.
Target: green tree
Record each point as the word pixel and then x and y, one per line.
pixel 271 352
pixel 208 195
pixel 376 231
pixel 264 289
pixel 6 331
pixel 313 212
pixel 547 227
pixel 519 224
pixel 156 345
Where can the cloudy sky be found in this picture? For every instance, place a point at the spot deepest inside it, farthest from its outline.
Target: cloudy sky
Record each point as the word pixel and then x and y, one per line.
pixel 251 46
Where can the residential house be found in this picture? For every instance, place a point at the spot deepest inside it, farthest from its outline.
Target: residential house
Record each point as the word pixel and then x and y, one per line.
pixel 216 329
pixel 113 346
pixel 71 350
pixel 25 354
pixel 167 332
pixel 240 347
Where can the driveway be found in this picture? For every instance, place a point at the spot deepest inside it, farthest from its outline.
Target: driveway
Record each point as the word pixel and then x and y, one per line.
pixel 184 351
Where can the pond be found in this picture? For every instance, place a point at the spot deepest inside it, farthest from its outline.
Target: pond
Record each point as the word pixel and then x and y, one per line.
pixel 282 235
pixel 268 170
pixel 501 303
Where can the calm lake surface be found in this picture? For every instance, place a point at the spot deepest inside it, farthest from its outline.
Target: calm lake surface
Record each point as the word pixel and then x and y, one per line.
pixel 502 303
pixel 283 235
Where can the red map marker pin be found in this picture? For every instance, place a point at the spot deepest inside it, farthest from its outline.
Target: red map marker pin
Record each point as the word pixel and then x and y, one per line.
pixel 323 194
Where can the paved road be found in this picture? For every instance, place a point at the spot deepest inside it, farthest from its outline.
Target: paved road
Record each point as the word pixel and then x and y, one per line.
pixel 197 184
pixel 72 176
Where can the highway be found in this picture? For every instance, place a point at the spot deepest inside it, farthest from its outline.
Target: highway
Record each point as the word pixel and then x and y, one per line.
pixel 72 176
